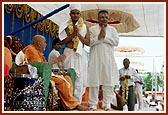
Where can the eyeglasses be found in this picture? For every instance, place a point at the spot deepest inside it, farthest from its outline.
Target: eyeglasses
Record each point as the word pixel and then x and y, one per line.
pixel 75 13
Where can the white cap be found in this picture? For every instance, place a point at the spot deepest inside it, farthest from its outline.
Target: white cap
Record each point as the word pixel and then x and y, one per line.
pixel 75 6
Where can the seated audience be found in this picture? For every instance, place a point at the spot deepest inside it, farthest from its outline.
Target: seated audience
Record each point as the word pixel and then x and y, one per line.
pixel 153 103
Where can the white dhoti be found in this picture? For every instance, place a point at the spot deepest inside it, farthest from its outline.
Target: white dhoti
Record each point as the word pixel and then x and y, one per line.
pixel 139 96
pixel 74 60
pixel 108 96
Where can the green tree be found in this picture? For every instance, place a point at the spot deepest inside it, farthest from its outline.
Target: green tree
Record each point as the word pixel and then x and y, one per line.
pixel 160 81
pixel 148 81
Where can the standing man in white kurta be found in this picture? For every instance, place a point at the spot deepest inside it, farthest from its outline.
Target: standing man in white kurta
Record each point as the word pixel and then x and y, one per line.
pixel 75 35
pixel 128 75
pixel 139 84
pixel 102 68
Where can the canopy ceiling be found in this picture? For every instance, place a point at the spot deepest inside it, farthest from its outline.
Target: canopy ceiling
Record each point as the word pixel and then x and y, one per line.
pixel 143 19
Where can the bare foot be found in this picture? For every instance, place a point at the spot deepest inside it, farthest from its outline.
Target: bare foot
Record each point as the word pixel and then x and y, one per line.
pixel 82 108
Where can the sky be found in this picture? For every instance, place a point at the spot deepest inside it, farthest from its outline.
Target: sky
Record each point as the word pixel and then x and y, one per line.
pixel 154 53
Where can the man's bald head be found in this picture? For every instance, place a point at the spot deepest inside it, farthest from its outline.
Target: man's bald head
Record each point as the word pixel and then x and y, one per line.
pixel 39 42
pixel 38 38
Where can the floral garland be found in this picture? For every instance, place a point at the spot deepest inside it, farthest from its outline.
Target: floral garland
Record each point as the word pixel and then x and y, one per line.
pixel 123 91
pixel 79 26
pixel 27 13
pixel 34 16
pixel 47 25
pixel 124 84
pixel 53 29
pixel 9 8
pixel 19 10
pixel 40 24
pixel 126 87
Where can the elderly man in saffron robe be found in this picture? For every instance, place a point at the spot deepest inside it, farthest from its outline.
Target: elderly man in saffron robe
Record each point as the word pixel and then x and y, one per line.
pixel 34 53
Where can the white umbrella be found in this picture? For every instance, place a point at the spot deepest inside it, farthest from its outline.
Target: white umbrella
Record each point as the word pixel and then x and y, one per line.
pixel 127 51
